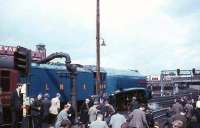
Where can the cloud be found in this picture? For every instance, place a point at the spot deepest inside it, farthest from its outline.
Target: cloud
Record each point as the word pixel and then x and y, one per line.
pixel 146 35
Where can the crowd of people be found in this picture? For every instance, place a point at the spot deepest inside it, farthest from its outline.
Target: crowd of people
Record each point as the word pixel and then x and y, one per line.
pixel 99 113
pixel 184 113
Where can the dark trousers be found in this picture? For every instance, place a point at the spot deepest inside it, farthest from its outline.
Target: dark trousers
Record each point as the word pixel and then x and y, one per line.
pixel 15 118
pixel 52 119
pixel 45 122
pixel 37 122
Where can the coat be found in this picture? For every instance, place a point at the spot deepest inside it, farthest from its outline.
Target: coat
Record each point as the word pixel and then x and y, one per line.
pixel 84 117
pixel 177 108
pixel 189 109
pixel 36 108
pixel 45 107
pixel 137 119
pixel 16 101
pixel 180 117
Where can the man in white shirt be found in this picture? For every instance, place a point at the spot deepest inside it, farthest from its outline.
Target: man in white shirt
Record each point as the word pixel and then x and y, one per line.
pixel 198 103
pixel 117 120
pixel 54 108
pixel 99 123
pixel 93 112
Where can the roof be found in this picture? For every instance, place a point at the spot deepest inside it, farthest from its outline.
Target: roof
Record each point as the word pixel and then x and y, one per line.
pixel 61 66
pixel 120 72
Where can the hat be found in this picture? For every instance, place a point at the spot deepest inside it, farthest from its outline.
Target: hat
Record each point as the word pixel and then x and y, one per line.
pixel 58 94
pixel 19 84
pixel 39 96
pixel 46 95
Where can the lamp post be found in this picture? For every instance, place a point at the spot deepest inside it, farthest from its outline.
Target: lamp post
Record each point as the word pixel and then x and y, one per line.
pixel 98 82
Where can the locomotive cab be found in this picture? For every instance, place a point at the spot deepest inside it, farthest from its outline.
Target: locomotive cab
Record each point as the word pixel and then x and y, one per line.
pixel 123 98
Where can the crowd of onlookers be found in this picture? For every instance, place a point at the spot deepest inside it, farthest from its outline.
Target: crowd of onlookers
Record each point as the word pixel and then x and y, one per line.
pixel 99 113
pixel 184 113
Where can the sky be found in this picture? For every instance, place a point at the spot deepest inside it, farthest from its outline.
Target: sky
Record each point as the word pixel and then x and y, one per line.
pixel 144 35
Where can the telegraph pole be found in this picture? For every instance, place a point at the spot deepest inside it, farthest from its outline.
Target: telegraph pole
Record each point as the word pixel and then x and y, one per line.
pixel 98 82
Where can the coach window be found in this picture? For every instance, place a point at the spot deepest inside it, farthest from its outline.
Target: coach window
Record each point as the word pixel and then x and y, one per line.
pixel 5 80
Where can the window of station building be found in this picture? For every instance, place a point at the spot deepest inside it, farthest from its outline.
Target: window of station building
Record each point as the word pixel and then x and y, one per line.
pixel 5 80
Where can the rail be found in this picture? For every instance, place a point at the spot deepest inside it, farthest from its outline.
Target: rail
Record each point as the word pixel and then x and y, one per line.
pixel 160 113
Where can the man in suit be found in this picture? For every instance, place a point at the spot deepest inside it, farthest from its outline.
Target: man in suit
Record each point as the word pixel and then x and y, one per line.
pixel 16 105
pixel 36 112
pixel 46 103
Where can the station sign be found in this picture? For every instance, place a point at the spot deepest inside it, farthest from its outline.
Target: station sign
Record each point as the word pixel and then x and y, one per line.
pixel 9 51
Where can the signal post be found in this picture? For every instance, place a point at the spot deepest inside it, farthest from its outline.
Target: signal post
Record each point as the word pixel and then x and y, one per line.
pixel 22 63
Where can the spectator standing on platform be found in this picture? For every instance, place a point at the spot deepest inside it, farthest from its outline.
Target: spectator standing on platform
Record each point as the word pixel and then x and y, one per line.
pixel 63 116
pixel 177 107
pixel 198 103
pixel 117 120
pixel 107 111
pixel 54 108
pixel 179 116
pixel 149 117
pixel 177 124
pixel 188 109
pixel 99 123
pixel 71 114
pixel 93 112
pixel 84 117
pixel 196 115
pixel 137 118
pixel 16 105
pixel 45 110
pixel 36 112
pixel 134 104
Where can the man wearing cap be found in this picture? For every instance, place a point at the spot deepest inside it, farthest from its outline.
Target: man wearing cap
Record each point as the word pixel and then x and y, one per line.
pixel 16 104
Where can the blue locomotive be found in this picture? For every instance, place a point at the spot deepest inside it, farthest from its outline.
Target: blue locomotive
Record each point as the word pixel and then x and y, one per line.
pixel 53 78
